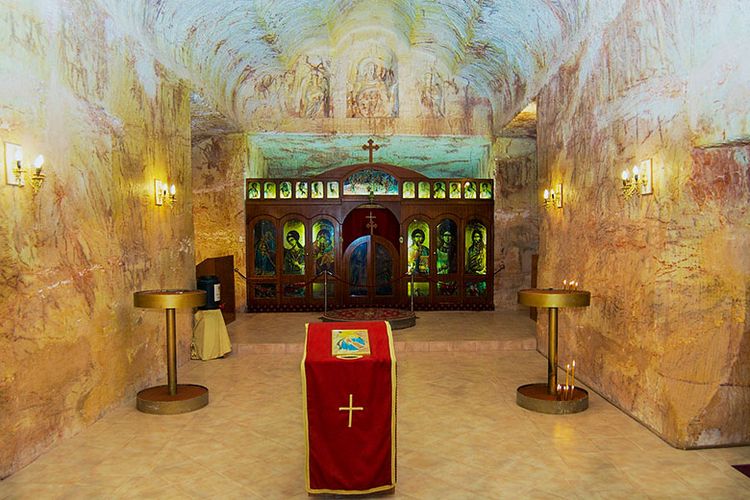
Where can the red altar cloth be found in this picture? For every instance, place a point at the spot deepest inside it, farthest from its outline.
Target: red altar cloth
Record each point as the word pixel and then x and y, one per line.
pixel 349 451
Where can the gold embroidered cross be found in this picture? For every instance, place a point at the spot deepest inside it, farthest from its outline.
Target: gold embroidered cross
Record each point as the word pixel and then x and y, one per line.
pixel 350 409
pixel 371 147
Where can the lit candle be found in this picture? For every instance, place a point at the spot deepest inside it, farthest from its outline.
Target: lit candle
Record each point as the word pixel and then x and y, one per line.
pixel 567 374
pixel 559 390
pixel 625 175
pixel 565 284
pixel 573 374
pixel 635 172
pixel 546 194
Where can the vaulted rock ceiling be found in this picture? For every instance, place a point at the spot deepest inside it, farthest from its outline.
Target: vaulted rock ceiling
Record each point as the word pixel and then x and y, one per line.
pixel 309 65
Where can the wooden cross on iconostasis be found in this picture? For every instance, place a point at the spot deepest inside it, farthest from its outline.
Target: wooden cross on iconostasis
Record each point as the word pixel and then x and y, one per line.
pixel 371 147
pixel 371 223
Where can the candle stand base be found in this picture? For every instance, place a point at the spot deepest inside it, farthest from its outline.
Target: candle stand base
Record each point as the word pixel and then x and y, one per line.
pixel 534 397
pixel 158 401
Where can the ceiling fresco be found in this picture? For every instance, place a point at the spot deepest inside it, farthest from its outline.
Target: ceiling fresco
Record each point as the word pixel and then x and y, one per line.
pixel 305 155
pixel 330 65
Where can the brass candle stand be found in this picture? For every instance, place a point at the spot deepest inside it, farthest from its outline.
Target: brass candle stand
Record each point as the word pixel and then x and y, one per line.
pixel 545 397
pixel 171 398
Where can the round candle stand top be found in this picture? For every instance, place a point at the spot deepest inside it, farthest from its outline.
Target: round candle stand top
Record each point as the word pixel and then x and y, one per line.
pixel 544 397
pixel 172 398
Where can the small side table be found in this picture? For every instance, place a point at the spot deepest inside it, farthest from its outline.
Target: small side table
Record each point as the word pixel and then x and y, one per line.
pixel 171 398
pixel 544 398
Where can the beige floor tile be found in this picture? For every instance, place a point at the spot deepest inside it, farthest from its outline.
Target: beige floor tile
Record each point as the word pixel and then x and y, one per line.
pixel 460 432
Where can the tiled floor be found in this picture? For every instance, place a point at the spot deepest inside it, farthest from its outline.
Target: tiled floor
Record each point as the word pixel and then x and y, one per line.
pixel 460 433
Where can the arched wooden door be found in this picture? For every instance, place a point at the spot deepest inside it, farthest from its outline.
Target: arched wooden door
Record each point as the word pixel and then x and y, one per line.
pixel 371 264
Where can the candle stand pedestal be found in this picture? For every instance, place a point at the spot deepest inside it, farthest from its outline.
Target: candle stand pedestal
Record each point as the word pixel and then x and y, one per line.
pixel 544 397
pixel 171 398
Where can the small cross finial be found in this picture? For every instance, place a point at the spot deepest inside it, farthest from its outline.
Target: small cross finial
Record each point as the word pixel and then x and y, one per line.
pixel 370 147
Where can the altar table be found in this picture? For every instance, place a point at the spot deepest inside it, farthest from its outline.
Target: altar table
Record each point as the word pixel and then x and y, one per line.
pixel 349 407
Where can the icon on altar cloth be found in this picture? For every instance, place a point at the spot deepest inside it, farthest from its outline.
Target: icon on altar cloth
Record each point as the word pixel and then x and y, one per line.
pixel 350 343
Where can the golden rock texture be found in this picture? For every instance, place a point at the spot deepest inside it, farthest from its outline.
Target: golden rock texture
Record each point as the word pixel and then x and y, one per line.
pixel 219 171
pixel 516 216
pixel 667 335
pixel 109 119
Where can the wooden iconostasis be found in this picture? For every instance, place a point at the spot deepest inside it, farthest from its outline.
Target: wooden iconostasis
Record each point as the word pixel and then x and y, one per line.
pixel 360 232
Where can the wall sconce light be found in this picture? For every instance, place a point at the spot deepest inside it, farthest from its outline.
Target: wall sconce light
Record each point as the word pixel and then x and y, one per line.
pixel 637 180
pixel 37 177
pixel 14 169
pixel 164 192
pixel 553 197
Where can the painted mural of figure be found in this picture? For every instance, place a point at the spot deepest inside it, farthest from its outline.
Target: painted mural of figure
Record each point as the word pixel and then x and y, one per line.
pixel 294 254
pixel 431 95
pixel 265 255
pixel 446 250
pixel 323 252
pixel 373 88
pixel 476 254
pixel 315 101
pixel 419 254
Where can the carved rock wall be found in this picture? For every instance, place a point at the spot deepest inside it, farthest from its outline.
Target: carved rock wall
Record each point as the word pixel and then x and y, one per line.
pixel 666 336
pixel 516 217
pixel 219 168
pixel 109 119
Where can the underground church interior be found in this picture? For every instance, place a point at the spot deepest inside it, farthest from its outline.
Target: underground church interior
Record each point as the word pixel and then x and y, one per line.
pixel 526 223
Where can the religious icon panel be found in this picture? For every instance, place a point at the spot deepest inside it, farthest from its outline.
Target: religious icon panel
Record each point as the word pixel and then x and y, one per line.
pixel 424 189
pixel 371 181
pixel 383 270
pixel 408 189
pixel 285 190
pixel 301 190
pixel 485 190
pixel 447 238
pixel 447 288
pixel 269 190
pixel 419 248
pixel 253 190
pixel 316 189
pixel 476 288
pixel 264 290
pixel 439 190
pixel 265 248
pixel 323 246
pixel 455 190
pixel 318 290
pixel 421 289
pixel 476 249
pixel 358 271
pixel 333 189
pixel 294 247
pixel 470 190
pixel 294 290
